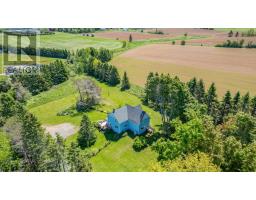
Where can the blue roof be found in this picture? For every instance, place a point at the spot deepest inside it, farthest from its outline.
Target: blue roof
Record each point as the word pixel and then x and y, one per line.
pixel 134 114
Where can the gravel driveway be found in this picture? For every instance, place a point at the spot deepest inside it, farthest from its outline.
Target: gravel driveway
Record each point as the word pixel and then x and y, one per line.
pixel 65 129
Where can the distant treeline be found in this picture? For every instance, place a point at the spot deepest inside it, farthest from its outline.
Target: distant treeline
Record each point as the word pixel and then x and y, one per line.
pixel 77 30
pixel 46 52
pixel 236 44
pixel 29 33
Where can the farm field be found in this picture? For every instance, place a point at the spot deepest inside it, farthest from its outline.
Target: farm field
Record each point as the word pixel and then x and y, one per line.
pixel 182 31
pixel 124 35
pixel 119 155
pixel 230 69
pixel 71 41
pixel 212 37
pixel 42 60
pixel 219 39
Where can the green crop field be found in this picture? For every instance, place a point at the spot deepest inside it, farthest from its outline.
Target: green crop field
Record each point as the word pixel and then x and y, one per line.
pixel 69 41
pixel 119 155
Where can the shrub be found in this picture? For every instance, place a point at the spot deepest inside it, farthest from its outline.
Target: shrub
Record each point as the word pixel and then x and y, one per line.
pixel 232 44
pixel 124 44
pixel 140 143
pixel 5 86
pixel 69 111
pixel 82 106
pixel 183 42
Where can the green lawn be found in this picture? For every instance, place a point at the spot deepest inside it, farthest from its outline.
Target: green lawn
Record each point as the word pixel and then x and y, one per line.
pixel 119 155
pixel 12 57
pixel 69 41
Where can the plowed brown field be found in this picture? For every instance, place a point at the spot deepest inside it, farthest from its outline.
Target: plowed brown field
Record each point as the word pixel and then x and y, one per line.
pixel 214 36
pixel 231 69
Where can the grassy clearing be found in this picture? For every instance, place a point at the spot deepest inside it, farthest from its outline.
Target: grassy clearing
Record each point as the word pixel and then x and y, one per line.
pixel 119 155
pixel 69 41
pixel 123 157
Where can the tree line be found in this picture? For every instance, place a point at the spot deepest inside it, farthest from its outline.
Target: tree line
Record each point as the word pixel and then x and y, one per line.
pixel 48 75
pixel 77 30
pixel 198 128
pixel 249 33
pixel 46 52
pixel 236 44
pixel 94 63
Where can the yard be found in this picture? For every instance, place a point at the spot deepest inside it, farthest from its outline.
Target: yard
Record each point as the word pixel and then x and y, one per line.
pixel 119 155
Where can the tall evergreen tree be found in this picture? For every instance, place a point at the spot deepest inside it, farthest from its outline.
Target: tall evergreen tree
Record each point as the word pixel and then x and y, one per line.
pixel 55 155
pixel 192 85
pixel 230 34
pixel 148 88
pixel 211 97
pixel 246 103
pixel 77 161
pixel 200 91
pixel 253 106
pixel 114 78
pixel 212 103
pixel 7 106
pixel 125 84
pixel 236 102
pixel 130 38
pixel 226 105
pixel 86 135
pixel 33 142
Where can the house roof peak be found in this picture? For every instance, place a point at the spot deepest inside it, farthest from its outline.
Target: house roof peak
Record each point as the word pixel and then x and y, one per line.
pixel 128 112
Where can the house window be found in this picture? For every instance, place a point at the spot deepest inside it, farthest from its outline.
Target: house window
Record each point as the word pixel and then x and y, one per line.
pixel 142 128
pixel 116 126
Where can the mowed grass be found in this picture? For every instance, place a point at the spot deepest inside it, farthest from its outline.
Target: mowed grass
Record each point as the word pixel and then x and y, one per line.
pixel 119 155
pixel 229 71
pixel 13 57
pixel 69 41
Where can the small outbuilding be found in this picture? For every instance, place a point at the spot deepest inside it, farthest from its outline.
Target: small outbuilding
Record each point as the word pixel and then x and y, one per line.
pixel 128 118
